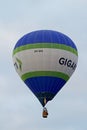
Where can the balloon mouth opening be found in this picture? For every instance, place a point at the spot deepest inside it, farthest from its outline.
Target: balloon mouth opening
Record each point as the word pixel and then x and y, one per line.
pixel 44 97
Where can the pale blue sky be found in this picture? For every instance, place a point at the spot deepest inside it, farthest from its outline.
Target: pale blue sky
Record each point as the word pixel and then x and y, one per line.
pixel 19 109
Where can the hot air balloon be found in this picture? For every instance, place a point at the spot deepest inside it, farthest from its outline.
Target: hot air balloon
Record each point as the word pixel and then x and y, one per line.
pixel 45 60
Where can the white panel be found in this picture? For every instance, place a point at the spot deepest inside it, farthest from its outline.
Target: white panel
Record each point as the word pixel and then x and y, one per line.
pixel 46 59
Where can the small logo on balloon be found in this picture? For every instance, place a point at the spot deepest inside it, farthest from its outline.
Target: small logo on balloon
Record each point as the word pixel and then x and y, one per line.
pixel 18 64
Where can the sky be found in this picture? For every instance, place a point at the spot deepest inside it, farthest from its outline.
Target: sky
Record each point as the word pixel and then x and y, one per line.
pixel 19 108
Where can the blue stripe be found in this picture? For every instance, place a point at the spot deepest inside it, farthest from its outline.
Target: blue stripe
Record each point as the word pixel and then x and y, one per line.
pixel 45 36
pixel 45 84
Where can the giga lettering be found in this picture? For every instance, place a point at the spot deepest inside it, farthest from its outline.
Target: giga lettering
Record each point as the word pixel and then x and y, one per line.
pixel 67 62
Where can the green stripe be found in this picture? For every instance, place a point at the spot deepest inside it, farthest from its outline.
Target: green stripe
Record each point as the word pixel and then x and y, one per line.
pixel 45 73
pixel 45 45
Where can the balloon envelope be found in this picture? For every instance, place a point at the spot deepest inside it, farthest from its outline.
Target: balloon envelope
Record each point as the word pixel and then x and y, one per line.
pixel 45 60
